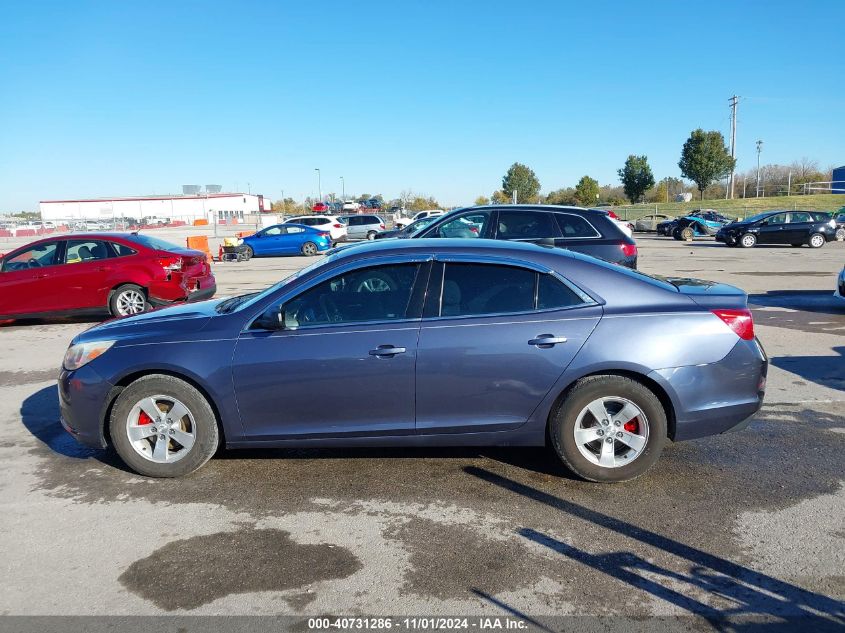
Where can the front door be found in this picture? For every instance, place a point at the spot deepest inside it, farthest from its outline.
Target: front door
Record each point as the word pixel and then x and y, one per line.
pixel 342 365
pixel 774 230
pixel 482 361
pixel 27 280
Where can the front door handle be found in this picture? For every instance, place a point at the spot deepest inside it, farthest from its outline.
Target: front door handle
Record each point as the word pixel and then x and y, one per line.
pixel 39 275
pixel 545 341
pixel 387 350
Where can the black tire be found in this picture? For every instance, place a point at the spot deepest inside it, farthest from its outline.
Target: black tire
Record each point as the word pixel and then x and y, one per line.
pixel 205 430
pixel 309 249
pixel 248 252
pixel 371 235
pixel 125 296
pixel 816 240
pixel 687 234
pixel 676 234
pixel 747 240
pixel 563 421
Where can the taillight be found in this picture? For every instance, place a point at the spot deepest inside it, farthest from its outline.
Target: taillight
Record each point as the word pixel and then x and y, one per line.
pixel 613 215
pixel 170 263
pixel 740 321
pixel 629 250
pixel 473 229
pixel 337 226
pixel 324 234
pixel 381 226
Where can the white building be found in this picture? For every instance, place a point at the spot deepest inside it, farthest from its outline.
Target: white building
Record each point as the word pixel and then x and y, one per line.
pixel 186 208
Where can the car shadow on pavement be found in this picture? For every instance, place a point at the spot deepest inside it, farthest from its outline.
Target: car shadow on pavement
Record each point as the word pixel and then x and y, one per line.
pixel 40 416
pixel 827 371
pixel 748 594
pixel 6 324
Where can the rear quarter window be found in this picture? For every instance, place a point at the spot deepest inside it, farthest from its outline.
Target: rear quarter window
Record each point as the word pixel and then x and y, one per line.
pixel 575 226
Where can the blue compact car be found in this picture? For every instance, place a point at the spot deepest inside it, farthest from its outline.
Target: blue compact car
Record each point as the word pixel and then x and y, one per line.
pixel 287 239
pixel 472 342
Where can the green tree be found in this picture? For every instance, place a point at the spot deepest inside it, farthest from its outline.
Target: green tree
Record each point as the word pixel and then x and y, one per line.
pixel 587 191
pixel 705 159
pixel 482 200
pixel 636 177
pixel 421 203
pixel 500 197
pixel 562 196
pixel 523 181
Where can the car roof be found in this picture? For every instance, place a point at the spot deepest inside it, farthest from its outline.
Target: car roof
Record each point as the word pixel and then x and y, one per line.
pixel 470 246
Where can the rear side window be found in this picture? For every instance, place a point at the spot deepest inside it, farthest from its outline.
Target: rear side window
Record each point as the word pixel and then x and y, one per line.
pixel 477 289
pixel 121 250
pixel 800 217
pixel 526 225
pixel 80 251
pixel 574 226
pixel 553 293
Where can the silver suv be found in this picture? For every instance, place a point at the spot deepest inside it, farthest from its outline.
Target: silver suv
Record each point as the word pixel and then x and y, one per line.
pixel 362 227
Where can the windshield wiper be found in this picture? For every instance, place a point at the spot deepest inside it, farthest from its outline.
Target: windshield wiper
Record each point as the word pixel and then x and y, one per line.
pixel 227 305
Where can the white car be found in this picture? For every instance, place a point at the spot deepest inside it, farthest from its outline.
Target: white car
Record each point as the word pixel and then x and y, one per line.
pixel 401 223
pixel 351 205
pixel 330 223
pixel 152 220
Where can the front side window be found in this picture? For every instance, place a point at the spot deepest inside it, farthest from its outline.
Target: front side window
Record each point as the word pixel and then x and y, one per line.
pixel 574 226
pixel 274 231
pixel 80 251
pixel 526 225
pixel 35 257
pixel 467 225
pixel 375 293
pixel 780 218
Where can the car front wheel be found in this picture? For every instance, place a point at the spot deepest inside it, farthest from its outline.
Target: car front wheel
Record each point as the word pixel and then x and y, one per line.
pixel 609 428
pixel 162 426
pixel 748 240
pixel 816 240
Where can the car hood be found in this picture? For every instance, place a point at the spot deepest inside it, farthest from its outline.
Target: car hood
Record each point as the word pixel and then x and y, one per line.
pixel 178 320
pixel 732 225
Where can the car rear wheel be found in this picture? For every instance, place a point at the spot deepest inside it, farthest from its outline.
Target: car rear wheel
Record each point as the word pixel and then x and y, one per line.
pixel 127 300
pixel 309 249
pixel 840 234
pixel 748 240
pixel 687 233
pixel 609 428
pixel 163 427
pixel 816 240
pixel 371 235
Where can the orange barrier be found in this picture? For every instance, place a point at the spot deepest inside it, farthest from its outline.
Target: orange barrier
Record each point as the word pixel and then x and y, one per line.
pixel 200 243
pixel 200 222
pixel 245 233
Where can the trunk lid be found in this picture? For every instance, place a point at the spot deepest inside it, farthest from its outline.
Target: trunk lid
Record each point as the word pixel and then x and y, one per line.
pixel 710 294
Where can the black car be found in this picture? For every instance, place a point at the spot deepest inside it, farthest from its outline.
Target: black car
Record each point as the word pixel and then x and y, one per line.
pixel 407 231
pixel 840 225
pixel 582 230
pixel 780 227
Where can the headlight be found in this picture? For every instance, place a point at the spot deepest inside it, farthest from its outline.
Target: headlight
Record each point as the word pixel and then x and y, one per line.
pixel 83 353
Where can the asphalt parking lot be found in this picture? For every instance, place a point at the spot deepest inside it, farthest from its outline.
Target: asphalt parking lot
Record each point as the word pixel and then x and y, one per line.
pixel 718 528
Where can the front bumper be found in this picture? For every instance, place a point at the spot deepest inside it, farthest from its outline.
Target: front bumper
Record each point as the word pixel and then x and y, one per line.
pixel 83 399
pixel 717 397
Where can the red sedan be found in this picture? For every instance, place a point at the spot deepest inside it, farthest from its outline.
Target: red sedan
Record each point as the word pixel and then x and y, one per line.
pixel 123 273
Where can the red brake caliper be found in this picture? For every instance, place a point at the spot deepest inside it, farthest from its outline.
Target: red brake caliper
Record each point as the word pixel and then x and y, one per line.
pixel 631 426
pixel 143 418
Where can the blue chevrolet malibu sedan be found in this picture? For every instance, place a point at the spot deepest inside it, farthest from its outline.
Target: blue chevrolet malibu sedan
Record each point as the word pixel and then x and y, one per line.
pixel 471 342
pixel 288 239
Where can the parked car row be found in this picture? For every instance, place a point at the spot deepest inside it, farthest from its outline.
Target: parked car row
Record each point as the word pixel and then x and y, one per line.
pixel 813 228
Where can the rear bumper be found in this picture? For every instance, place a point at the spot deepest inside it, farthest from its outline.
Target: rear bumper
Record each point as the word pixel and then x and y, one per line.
pixel 190 289
pixel 717 397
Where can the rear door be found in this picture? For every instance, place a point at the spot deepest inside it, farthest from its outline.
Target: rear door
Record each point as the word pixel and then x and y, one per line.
pixel 798 228
pixel 482 364
pixel 85 273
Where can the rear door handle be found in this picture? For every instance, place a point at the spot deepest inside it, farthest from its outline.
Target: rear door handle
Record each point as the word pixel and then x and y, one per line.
pixel 545 341
pixel 387 350
pixel 39 275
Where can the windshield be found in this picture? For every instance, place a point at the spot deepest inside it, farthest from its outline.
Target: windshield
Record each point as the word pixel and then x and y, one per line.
pixel 418 225
pixel 152 242
pixel 233 304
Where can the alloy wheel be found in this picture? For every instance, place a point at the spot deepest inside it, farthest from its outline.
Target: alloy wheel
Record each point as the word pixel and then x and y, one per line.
pixel 748 241
pixel 130 302
pixel 161 429
pixel 611 432
pixel 816 241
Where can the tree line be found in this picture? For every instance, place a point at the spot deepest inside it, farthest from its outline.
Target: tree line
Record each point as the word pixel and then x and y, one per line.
pixel 705 162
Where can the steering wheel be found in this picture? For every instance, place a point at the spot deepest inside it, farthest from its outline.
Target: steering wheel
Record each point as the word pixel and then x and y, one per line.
pixel 330 308
pixel 33 263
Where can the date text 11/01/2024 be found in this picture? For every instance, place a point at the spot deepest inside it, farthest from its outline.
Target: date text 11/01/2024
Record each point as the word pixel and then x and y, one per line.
pixel 417 623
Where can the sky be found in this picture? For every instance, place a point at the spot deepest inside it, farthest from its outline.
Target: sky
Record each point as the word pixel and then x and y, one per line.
pixel 101 99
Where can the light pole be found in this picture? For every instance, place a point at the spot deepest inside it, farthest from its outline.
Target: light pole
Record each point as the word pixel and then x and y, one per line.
pixel 759 149
pixel 319 187
pixel 343 189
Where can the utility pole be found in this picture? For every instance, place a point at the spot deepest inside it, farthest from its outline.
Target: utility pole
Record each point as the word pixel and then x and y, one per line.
pixel 734 103
pixel 789 184
pixel 513 197
pixel 343 188
pixel 319 186
pixel 759 149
